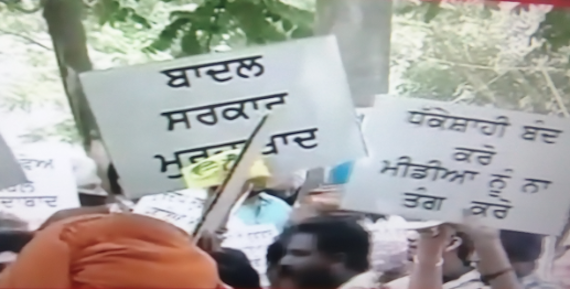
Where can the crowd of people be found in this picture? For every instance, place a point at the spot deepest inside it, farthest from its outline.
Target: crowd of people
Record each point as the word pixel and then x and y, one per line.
pixel 102 245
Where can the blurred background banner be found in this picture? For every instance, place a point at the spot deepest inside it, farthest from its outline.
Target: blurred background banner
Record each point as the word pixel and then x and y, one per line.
pixel 362 28
pixel 11 173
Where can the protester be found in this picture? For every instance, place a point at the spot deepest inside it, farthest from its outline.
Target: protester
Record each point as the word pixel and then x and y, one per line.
pixel 327 252
pixel 456 269
pixel 235 269
pixel 275 252
pixel 524 250
pixel 111 251
pixel 263 208
pixel 492 262
pixel 11 243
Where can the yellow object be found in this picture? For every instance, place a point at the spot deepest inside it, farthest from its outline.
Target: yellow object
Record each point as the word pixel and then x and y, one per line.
pixel 213 170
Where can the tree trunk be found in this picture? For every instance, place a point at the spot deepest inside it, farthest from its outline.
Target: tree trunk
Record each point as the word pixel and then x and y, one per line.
pixel 63 18
pixel 362 29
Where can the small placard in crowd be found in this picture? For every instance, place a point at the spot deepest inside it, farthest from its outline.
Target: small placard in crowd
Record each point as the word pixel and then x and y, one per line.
pixel 11 173
pixel 168 115
pixel 50 187
pixel 182 209
pixel 430 160
pixel 253 242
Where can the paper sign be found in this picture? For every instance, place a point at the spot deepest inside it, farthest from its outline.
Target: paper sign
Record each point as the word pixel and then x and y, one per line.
pixel 212 171
pixel 178 208
pixel 253 242
pixel 11 173
pixel 165 116
pixel 430 160
pixel 51 187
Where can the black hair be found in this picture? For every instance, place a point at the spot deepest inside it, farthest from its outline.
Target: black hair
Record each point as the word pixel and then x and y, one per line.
pixel 235 269
pixel 114 180
pixel 277 250
pixel 521 246
pixel 465 249
pixel 14 240
pixel 340 235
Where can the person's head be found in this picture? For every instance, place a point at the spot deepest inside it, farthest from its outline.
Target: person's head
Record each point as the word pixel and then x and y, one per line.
pixel 11 243
pixel 523 250
pixel 457 254
pixel 153 254
pixel 275 252
pixel 325 252
pixel 236 271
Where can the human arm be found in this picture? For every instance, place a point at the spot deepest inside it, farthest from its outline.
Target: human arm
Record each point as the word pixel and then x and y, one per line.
pixel 427 267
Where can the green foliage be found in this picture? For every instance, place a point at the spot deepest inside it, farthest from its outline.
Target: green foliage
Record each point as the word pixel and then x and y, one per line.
pixel 440 50
pixel 555 29
pixel 111 11
pixel 212 22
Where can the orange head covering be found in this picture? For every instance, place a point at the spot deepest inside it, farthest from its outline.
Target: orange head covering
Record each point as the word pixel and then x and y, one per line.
pixel 111 251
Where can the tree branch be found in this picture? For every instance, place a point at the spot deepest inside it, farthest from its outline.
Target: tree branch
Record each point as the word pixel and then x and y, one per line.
pixel 555 92
pixel 26 38
pixel 221 6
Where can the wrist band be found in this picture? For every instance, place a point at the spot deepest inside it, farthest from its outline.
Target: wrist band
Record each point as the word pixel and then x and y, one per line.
pixel 438 264
pixel 490 277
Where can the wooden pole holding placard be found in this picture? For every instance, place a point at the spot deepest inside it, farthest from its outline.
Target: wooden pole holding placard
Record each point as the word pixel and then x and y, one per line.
pixel 234 183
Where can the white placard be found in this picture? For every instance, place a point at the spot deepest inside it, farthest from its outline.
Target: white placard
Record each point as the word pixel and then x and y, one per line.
pixel 509 167
pixel 11 173
pixel 159 117
pixel 182 209
pixel 253 242
pixel 50 188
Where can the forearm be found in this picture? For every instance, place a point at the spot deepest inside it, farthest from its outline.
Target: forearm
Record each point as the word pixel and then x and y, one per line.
pixel 427 270
pixel 493 259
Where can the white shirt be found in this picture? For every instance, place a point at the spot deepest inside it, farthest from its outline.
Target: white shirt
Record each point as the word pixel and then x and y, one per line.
pixel 469 280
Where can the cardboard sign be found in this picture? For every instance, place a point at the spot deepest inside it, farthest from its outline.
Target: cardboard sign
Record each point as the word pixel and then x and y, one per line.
pixel 11 173
pixel 51 187
pixel 430 160
pixel 182 209
pixel 253 242
pixel 158 118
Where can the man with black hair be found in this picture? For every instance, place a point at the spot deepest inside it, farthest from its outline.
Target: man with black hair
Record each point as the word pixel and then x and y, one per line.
pixel 235 269
pixel 325 252
pixel 11 243
pixel 275 252
pixel 456 268
pixel 524 250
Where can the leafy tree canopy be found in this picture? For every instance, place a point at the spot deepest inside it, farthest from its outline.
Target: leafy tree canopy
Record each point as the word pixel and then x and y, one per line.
pixel 505 55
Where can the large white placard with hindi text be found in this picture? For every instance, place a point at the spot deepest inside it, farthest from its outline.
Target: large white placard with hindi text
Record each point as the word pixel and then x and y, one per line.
pixel 430 160
pixel 50 187
pixel 160 117
pixel 11 173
